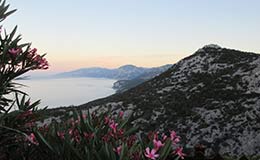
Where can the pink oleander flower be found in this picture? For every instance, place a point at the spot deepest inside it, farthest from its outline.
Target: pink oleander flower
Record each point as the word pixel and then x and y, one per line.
pixel 151 154
pixel 111 134
pixel 105 138
pixel 84 116
pixel 71 131
pixel 121 114
pixel 120 132
pixel 178 151
pixel 75 135
pixel 155 136
pixel 173 135
pixel 164 137
pixel 150 135
pixel 61 134
pixel 174 138
pixel 31 138
pixel 33 51
pixel 157 144
pixel 88 135
pixel 41 62
pixel 91 135
pixel 131 140
pixel 44 129
pixel 118 150
pixel 76 138
pixel 14 51
pixel 113 125
pixel 106 120
pixel 85 135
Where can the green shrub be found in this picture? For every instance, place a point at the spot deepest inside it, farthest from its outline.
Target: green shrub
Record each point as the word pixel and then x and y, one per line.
pixel 103 137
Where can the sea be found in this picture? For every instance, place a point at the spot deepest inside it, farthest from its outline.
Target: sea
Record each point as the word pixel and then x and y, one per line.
pixel 62 92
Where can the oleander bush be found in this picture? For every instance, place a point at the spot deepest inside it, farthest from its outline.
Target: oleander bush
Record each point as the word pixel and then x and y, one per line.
pixel 17 115
pixel 88 136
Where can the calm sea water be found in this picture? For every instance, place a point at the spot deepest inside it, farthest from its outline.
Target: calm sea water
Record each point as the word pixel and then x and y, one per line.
pixel 67 91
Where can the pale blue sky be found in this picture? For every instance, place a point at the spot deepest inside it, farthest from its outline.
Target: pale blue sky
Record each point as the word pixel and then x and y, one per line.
pixel 110 33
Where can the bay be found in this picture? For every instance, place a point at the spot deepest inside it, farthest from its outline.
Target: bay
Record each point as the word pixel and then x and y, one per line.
pixel 67 91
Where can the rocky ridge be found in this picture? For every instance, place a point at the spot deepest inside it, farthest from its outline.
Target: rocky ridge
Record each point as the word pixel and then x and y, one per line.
pixel 211 97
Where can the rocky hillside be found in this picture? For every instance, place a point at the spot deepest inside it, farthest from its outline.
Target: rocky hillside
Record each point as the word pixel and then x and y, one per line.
pixel 211 97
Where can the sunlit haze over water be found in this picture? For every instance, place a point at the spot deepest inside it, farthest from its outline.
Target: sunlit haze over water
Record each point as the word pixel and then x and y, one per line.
pixel 68 91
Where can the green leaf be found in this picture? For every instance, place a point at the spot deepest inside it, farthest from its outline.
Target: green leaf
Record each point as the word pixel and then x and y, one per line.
pixel 32 106
pixel 14 130
pixel 131 131
pixel 97 155
pixel 76 153
pixel 166 149
pixel 87 153
pixel 17 99
pixel 11 106
pixel 107 150
pixel 23 45
pixel 12 33
pixel 42 140
pixel 123 152
pixel 9 13
pixel 22 107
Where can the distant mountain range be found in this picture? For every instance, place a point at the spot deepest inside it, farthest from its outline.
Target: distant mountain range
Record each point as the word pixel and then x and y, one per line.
pixel 126 72
pixel 128 76
pixel 123 85
pixel 211 97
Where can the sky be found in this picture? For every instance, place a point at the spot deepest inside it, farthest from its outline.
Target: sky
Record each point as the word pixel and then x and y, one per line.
pixel 111 33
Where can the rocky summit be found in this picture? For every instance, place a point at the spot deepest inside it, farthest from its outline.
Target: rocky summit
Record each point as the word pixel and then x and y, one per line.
pixel 211 97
